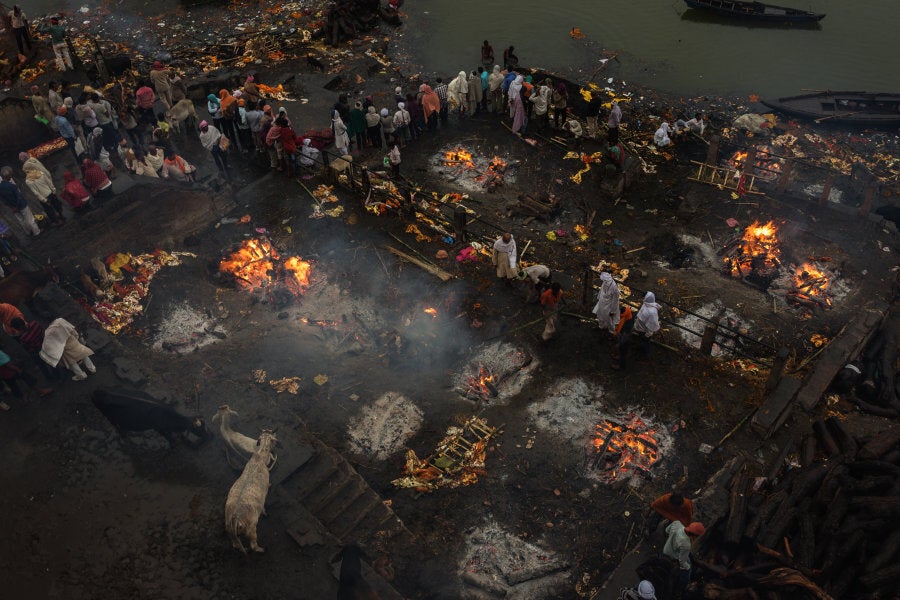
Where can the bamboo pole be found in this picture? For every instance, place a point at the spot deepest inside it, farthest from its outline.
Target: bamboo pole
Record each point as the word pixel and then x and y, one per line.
pixel 437 272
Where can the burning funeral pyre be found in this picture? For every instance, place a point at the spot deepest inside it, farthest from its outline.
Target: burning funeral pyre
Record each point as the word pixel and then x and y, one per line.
pixel 755 257
pixel 474 172
pixel 765 165
pixel 623 448
pixel 255 265
pixel 499 371
pixel 457 460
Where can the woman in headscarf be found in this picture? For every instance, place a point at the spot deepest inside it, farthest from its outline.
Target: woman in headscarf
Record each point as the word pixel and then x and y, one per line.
pixel 214 106
pixel 210 138
pixel 517 111
pixel 416 117
pixel 229 107
pixel 607 307
pixel 98 152
pixel 308 154
pixel 474 95
pixel 141 166
pixel 177 168
pixel 358 124
pixel 515 89
pixel 560 99
pixel 42 186
pixel 541 102
pixel 401 122
pixel 646 323
pixel 251 90
pixel 265 126
pixel 96 180
pixel 373 127
pixel 612 123
pixel 661 137
pixel 431 106
pixel 457 92
pixel 341 140
pixel 273 140
pixel 387 127
pixel 74 193
pixel 495 81
pixel 288 144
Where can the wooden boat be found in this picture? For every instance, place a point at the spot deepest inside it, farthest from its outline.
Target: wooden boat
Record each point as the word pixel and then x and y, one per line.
pixel 859 108
pixel 756 11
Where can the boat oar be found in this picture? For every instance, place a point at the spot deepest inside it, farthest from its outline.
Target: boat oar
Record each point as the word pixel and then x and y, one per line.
pixel 820 119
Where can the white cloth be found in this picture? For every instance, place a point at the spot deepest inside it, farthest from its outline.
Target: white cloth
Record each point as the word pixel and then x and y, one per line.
pixel 647 319
pixel 394 155
pixel 678 545
pixel 505 257
pixel 26 219
pixel 308 154
pixel 541 100
pixel 615 115
pixel 61 345
pixel 341 139
pixel 495 79
pixel 607 307
pixel 458 89
pixel 661 137
pixel 536 272
pixel 210 137
pixel 515 88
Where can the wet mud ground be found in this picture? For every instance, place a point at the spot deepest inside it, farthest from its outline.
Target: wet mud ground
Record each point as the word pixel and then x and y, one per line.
pixel 99 517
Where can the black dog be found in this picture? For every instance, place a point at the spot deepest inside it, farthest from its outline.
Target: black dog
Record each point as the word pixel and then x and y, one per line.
pixel 314 63
pixel 352 586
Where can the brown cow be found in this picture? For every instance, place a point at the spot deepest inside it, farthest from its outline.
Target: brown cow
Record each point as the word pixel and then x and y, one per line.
pixel 20 287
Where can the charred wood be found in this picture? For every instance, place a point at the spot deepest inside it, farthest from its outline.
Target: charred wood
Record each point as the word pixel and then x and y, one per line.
pixel 881 578
pixel 888 507
pixel 737 514
pixel 886 554
pixel 844 439
pixel 775 530
pixel 881 444
pixel 826 441
pixel 765 513
pixel 777 465
pixel 808 453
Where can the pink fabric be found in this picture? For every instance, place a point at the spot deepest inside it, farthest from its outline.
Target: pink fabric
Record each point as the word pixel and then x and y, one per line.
pixel 518 113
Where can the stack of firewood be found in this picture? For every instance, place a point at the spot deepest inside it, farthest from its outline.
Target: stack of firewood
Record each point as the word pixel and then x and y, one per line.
pixel 533 208
pixel 829 529
pixel 347 19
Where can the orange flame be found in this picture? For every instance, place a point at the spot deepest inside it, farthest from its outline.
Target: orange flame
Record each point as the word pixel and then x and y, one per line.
pixel 759 250
pixel 632 446
pixel 459 156
pixel 256 264
pixel 432 311
pixel 812 282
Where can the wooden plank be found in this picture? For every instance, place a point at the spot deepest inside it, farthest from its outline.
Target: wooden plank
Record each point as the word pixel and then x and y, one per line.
pixel 775 407
pixel 437 272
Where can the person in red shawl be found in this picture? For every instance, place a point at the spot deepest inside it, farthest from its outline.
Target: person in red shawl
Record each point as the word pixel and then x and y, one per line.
pixel 431 106
pixel 96 180
pixel 74 193
pixel 288 144
pixel 229 106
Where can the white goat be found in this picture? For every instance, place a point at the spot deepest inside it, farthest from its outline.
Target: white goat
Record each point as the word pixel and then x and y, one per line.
pixel 235 442
pixel 247 497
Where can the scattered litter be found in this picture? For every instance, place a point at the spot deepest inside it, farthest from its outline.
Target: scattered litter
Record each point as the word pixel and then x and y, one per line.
pixel 320 379
pixel 290 385
pixel 383 427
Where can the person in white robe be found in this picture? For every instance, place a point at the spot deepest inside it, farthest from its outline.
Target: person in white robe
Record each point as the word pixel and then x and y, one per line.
pixel 505 257
pixel 607 307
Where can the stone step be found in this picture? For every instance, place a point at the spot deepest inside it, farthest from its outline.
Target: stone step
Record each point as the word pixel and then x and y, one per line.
pixel 342 482
pixel 333 510
pixel 380 519
pixel 315 472
pixel 349 520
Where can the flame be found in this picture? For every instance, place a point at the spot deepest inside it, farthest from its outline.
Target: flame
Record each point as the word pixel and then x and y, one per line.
pixel 811 281
pixel 632 447
pixel 766 165
pixel 497 164
pixel 483 384
pixel 459 157
pixel 256 264
pixel 431 311
pixel 759 250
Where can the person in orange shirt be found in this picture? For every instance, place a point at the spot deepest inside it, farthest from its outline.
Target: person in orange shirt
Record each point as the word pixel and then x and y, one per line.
pixel 549 302
pixel 622 336
pixel 670 507
pixel 8 313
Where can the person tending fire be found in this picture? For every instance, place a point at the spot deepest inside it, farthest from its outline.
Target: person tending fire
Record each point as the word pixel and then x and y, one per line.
pixel 669 507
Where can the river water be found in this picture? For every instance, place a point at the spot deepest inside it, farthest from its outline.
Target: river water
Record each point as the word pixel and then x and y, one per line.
pixel 660 43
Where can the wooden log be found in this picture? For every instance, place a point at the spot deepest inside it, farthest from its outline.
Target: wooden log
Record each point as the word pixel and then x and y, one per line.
pixel 808 453
pixel 437 272
pixel 872 486
pixel 765 513
pixel 737 513
pixel 881 578
pixel 846 578
pixel 877 505
pixel 774 531
pixel 806 543
pixel 873 467
pixel 881 444
pixel 843 437
pixel 785 577
pixel 826 441
pixel 778 463
pixel 887 552
pixel 833 518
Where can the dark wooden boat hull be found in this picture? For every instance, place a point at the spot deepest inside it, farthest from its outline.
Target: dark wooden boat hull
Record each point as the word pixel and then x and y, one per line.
pixel 755 11
pixel 858 108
